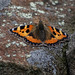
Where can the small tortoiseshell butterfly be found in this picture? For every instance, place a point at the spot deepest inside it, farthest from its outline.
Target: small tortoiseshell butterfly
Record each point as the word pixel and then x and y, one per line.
pixel 39 34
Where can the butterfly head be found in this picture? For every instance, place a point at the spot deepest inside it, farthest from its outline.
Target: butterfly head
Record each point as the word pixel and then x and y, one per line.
pixel 41 26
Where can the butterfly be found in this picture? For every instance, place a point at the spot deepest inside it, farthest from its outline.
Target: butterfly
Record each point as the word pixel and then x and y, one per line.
pixel 39 34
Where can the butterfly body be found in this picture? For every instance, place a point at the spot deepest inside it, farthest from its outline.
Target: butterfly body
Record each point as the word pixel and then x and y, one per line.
pixel 39 34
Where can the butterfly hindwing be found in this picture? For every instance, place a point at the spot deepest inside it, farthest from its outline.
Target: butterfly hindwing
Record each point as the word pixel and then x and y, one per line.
pixel 33 40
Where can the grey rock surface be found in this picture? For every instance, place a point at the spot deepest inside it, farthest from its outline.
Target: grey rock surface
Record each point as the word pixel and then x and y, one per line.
pixel 4 3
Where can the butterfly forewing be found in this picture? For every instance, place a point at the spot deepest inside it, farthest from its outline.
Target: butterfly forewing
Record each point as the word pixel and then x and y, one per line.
pixel 22 30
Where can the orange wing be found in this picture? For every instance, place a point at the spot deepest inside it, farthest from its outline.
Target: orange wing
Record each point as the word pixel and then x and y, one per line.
pixel 33 40
pixel 22 30
pixel 51 41
pixel 25 31
pixel 55 36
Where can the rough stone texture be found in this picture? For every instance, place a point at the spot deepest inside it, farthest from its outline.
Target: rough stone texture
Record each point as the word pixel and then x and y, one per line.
pixel 71 55
pixel 4 3
pixel 48 60
pixel 13 69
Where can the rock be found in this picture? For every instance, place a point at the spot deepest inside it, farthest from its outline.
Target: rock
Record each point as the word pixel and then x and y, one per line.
pixel 4 3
